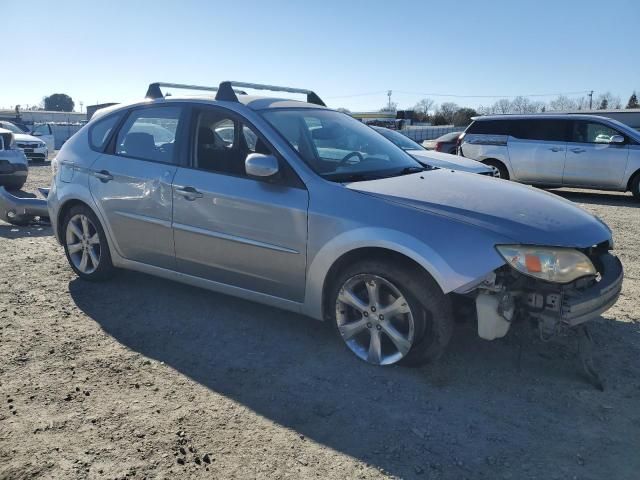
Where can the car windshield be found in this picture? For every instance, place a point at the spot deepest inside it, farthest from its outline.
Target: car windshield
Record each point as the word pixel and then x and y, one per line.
pixel 11 126
pixel 399 139
pixel 338 147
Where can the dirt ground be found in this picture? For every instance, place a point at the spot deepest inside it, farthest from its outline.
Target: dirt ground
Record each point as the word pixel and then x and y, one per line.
pixel 145 378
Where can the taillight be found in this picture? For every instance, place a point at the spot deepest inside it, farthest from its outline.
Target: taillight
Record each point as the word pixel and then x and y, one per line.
pixel 438 146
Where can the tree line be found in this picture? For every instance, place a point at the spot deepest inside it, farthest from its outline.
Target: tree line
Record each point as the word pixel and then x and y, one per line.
pixel 450 113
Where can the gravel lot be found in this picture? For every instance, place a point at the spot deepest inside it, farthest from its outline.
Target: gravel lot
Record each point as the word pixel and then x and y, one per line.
pixel 145 378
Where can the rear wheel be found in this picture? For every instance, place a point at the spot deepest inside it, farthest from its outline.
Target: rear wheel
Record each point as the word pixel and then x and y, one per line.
pixel 499 166
pixel 85 245
pixel 389 314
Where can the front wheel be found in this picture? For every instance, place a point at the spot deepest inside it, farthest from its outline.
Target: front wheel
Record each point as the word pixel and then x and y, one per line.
pixel 389 314
pixel 500 168
pixel 635 187
pixel 85 245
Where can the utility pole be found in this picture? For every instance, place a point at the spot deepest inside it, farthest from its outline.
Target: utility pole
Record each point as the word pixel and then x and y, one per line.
pixel 389 92
pixel 591 100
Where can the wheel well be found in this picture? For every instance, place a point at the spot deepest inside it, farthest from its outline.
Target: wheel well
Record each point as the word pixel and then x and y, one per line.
pixel 365 253
pixel 632 178
pixel 63 213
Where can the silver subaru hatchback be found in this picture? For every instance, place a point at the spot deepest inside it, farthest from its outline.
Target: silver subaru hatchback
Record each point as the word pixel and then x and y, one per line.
pixel 297 206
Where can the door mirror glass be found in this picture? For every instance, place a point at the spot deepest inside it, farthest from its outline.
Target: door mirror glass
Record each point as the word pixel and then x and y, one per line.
pixel 260 165
pixel 618 139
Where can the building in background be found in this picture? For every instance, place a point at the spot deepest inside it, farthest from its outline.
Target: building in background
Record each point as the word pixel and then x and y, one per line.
pixel 91 109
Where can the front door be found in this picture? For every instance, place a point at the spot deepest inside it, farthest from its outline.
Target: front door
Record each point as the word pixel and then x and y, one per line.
pixel 232 229
pixel 131 184
pixel 44 133
pixel 592 161
pixel 537 149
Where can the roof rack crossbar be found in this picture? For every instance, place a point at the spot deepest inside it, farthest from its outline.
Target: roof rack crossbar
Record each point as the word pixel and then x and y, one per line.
pixel 225 91
pixel 154 91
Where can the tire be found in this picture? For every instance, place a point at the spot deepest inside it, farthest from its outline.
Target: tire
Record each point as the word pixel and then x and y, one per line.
pixel 635 186
pixel 502 169
pixel 85 245
pixel 429 310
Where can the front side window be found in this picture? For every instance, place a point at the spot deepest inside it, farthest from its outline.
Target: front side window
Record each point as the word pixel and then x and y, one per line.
pixel 338 147
pixel 150 134
pixel 223 143
pixel 591 132
pixel 539 129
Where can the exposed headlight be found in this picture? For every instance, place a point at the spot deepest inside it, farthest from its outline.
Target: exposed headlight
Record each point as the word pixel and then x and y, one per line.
pixel 42 145
pixel 558 265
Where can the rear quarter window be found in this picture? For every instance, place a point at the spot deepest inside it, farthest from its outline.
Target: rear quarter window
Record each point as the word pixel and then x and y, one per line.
pixel 489 127
pixel 101 130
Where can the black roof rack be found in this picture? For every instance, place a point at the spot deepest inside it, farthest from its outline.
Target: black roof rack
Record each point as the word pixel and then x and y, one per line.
pixel 227 92
pixel 154 91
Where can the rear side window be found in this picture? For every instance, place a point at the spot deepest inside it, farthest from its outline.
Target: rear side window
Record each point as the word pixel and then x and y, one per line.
pixel 99 133
pixel 546 130
pixel 150 134
pixel 489 127
pixel 583 131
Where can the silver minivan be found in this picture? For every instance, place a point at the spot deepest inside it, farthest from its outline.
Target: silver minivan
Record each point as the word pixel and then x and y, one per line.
pixel 298 206
pixel 584 151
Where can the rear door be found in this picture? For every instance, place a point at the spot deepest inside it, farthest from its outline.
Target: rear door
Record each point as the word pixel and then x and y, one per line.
pixel 537 150
pixel 233 229
pixel 591 160
pixel 131 183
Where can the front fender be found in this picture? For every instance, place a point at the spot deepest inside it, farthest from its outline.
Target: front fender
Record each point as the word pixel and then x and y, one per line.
pixel 447 277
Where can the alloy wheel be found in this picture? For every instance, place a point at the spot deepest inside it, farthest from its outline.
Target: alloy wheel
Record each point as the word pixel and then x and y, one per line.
pixel 83 244
pixel 375 319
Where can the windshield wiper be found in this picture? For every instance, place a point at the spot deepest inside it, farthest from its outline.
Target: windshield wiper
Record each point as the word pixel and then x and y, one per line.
pixel 410 170
pixel 353 177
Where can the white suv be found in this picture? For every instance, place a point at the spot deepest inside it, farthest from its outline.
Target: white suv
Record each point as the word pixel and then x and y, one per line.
pixel 584 151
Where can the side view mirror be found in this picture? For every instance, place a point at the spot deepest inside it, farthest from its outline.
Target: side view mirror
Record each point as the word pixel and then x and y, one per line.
pixel 261 166
pixel 618 139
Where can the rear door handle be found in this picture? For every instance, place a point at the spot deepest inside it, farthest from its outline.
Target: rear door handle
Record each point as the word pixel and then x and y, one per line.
pixel 189 193
pixel 555 149
pixel 578 150
pixel 103 175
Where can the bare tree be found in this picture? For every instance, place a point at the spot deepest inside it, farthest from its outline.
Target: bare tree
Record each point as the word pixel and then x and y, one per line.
pixel 391 107
pixel 608 100
pixel 563 104
pixel 424 106
pixel 502 106
pixel 448 110
pixel 524 105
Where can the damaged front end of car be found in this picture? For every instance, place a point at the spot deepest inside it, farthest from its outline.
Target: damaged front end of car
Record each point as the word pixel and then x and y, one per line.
pixel 556 288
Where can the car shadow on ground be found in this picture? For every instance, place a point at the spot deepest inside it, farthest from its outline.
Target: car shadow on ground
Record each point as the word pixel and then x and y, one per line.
pixel 476 413
pixel 599 198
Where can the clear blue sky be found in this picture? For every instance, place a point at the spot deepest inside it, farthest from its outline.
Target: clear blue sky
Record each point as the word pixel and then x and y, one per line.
pixel 110 50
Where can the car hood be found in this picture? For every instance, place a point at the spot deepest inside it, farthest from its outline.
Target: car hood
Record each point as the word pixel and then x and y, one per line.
pixel 25 137
pixel 524 214
pixel 446 160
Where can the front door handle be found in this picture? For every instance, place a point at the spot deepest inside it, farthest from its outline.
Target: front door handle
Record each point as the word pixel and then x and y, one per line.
pixel 189 193
pixel 578 150
pixel 103 175
pixel 555 149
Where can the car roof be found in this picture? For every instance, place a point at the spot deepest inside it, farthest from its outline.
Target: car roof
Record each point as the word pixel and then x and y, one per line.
pixel 535 116
pixel 253 102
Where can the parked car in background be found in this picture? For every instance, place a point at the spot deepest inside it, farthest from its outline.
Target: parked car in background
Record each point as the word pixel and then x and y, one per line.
pixel 435 159
pixel 584 151
pixel 447 143
pixel 13 163
pixel 35 150
pixel 323 216
pixel 45 133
